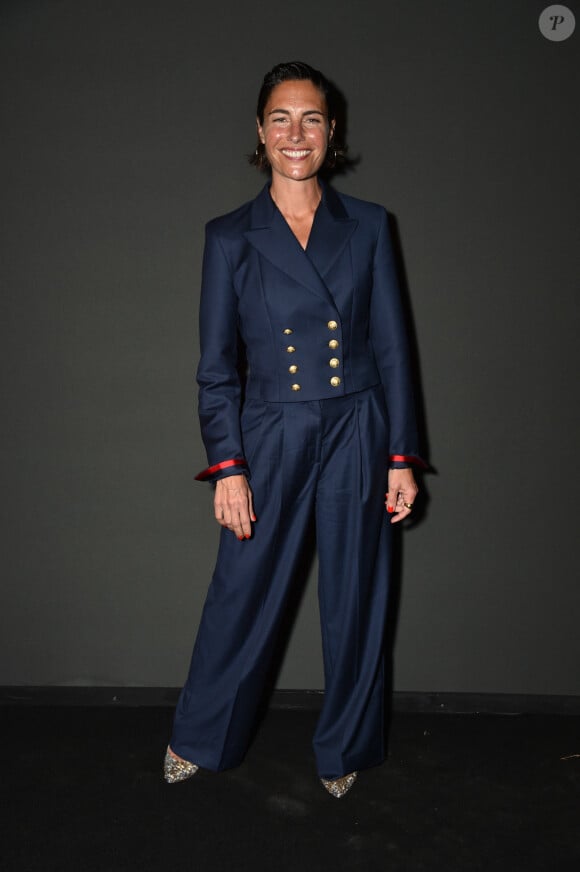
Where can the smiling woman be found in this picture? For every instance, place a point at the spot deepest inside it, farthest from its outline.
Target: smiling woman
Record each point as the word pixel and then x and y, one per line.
pixel 304 277
pixel 296 133
pixel 295 73
pixel 295 130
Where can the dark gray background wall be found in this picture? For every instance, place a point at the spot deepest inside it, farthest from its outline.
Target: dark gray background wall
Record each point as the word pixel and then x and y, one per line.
pixel 124 128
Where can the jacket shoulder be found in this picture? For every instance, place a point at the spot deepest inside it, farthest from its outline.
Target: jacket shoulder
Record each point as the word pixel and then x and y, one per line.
pixel 232 223
pixel 361 209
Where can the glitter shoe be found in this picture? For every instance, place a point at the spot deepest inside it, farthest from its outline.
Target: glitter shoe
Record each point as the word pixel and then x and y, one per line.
pixel 175 770
pixel 337 787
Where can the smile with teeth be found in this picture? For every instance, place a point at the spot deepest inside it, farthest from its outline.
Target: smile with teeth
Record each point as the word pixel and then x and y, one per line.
pixel 295 153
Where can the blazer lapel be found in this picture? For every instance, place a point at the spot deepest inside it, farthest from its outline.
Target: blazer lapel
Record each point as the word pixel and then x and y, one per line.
pixel 272 237
pixel 330 233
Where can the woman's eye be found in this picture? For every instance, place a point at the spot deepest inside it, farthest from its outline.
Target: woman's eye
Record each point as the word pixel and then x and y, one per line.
pixel 280 120
pixel 313 121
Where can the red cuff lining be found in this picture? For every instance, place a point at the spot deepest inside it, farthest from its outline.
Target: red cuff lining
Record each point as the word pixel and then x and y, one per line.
pixel 408 458
pixel 225 464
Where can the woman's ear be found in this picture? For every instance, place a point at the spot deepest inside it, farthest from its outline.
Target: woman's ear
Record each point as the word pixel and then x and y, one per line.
pixel 261 136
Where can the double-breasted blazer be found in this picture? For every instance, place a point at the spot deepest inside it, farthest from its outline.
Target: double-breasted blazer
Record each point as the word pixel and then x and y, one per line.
pixel 317 323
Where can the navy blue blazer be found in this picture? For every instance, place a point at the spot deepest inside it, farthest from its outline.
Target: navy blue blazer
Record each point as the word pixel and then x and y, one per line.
pixel 316 323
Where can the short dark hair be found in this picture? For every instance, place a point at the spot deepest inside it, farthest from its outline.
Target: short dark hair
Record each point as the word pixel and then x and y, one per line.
pixel 293 71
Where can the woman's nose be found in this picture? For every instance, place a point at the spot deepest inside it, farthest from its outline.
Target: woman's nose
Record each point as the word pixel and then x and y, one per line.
pixel 295 132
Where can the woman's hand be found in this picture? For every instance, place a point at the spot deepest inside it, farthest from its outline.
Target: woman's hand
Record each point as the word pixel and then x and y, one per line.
pixel 402 492
pixel 233 505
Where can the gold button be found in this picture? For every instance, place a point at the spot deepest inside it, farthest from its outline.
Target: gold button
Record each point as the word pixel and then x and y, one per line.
pixel 332 325
pixel 334 362
pixel 295 387
pixel 333 344
pixel 288 331
pixel 335 381
pixel 290 349
pixel 293 368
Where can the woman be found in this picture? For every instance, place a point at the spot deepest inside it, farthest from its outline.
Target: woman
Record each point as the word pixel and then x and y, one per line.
pixel 304 278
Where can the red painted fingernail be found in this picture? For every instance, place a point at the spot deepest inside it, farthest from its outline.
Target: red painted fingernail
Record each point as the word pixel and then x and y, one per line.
pixel 247 536
pixel 241 538
pixel 390 509
pixel 254 518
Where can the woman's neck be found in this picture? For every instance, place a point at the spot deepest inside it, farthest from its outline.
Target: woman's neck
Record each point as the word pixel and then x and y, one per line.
pixel 296 199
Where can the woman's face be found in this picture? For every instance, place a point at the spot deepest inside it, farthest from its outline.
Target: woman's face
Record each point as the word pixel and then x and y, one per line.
pixel 296 130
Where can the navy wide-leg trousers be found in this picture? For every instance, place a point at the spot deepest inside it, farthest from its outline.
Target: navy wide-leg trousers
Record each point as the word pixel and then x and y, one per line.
pixel 324 461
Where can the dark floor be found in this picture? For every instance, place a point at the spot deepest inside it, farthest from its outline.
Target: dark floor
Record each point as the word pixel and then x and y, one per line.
pixel 82 790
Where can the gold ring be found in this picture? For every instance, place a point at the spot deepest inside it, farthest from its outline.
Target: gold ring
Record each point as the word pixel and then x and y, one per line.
pixel 408 505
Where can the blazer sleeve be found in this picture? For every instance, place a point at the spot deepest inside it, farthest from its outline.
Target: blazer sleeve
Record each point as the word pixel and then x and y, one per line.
pixel 388 332
pixel 217 374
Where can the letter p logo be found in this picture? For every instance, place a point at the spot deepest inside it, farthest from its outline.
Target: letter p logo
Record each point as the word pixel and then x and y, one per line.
pixel 557 23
